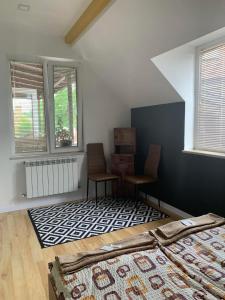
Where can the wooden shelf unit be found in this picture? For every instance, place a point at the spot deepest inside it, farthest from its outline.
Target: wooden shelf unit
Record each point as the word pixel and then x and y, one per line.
pixel 122 161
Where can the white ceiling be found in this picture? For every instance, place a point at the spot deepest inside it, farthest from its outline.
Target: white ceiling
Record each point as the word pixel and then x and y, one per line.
pixel 54 17
pixel 120 44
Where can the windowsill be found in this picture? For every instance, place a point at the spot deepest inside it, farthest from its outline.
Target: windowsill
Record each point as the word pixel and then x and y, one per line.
pixel 45 155
pixel 205 153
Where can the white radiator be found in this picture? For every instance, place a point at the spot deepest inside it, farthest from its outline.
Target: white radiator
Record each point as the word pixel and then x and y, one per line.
pixel 50 177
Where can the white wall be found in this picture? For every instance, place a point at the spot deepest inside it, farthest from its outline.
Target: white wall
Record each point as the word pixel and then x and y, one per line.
pixel 131 32
pixel 178 66
pixel 117 49
pixel 102 112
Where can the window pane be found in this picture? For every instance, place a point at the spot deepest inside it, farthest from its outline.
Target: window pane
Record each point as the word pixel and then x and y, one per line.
pixel 210 119
pixel 28 107
pixel 65 106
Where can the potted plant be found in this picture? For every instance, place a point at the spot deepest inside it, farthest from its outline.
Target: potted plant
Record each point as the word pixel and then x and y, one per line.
pixel 63 136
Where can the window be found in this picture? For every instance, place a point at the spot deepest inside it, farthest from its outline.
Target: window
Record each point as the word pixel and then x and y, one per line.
pixel 28 107
pixel 210 102
pixel 65 106
pixel 45 107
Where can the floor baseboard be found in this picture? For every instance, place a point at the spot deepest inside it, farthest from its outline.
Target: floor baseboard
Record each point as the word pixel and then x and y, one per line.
pixel 45 201
pixel 168 209
pixel 165 207
pixel 39 202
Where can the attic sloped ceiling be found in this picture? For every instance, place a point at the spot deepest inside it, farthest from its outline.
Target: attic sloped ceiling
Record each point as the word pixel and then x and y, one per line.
pixel 121 43
pixel 53 17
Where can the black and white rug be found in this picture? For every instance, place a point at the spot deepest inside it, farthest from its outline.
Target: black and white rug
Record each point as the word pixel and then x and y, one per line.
pixel 58 224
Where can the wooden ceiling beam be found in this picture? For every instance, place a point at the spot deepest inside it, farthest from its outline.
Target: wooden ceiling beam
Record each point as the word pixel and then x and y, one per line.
pixel 59 82
pixel 94 9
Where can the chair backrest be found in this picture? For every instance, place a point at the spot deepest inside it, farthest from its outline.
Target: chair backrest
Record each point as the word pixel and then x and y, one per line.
pixel 96 163
pixel 152 161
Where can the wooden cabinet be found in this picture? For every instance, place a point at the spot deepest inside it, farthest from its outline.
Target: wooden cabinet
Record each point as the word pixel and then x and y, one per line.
pixel 125 136
pixel 122 165
pixel 122 162
pixel 125 140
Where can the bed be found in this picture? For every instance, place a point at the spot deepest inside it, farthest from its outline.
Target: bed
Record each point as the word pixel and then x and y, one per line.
pixel 148 266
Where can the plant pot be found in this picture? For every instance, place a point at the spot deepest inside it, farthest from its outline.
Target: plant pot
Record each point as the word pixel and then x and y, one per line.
pixel 65 143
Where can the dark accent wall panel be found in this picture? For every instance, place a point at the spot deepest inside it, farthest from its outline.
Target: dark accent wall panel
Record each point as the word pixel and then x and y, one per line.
pixel 193 183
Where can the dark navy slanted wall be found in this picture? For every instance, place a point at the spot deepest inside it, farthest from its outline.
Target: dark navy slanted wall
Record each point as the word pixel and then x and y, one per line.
pixel 193 183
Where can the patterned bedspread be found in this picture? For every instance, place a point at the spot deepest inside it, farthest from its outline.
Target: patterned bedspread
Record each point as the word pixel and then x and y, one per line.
pixel 144 275
pixel 202 257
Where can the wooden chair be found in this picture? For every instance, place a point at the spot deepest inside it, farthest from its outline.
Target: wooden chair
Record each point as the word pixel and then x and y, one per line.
pixel 96 167
pixel 150 171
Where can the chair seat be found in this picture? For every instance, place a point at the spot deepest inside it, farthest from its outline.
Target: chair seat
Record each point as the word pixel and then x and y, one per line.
pixel 103 177
pixel 135 179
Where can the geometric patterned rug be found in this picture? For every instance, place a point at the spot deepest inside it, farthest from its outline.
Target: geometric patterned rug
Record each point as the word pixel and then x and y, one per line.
pixel 58 224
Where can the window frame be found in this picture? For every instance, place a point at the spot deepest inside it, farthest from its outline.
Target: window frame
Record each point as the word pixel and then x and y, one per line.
pixel 203 47
pixel 48 64
pixel 51 114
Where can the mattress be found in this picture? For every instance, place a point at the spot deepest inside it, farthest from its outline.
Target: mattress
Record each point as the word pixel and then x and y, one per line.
pixel 202 256
pixel 141 275
pixel 191 266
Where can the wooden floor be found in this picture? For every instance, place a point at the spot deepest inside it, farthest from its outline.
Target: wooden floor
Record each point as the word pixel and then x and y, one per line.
pixel 24 265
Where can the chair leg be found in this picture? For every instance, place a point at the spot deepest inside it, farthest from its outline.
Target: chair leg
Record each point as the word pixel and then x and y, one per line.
pixel 136 195
pixel 87 187
pixel 117 188
pixel 96 193
pixel 113 189
pixel 105 189
pixel 159 203
pixel 146 197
